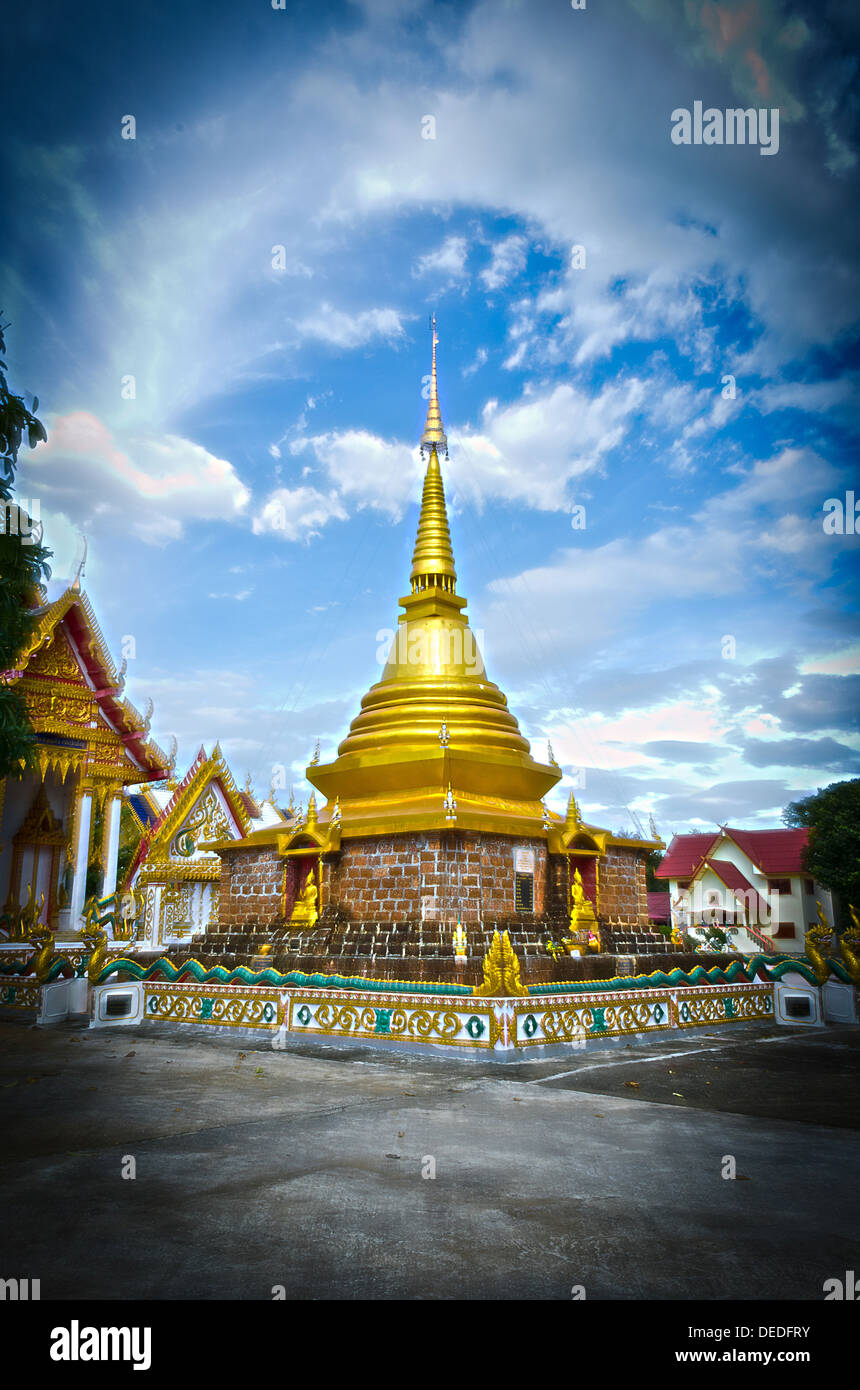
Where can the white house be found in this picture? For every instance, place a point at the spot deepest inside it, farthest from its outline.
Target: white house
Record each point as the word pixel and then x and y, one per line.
pixel 752 882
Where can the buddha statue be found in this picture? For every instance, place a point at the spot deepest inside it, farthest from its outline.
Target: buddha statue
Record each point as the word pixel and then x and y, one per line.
pixel 305 909
pixel 581 909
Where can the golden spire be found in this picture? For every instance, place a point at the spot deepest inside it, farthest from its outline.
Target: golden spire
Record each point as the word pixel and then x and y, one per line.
pixel 433 558
pixel 433 431
pixel 434 717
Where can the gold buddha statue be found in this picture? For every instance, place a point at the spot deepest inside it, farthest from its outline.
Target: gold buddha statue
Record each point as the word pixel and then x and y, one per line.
pixel 305 909
pixel 582 916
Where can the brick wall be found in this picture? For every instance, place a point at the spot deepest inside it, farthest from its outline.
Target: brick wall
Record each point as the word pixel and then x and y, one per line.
pixel 251 889
pixel 622 896
pixel 426 879
pixel 430 877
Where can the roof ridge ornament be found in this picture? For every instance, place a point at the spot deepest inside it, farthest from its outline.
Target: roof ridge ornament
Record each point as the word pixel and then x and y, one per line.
pixel 75 585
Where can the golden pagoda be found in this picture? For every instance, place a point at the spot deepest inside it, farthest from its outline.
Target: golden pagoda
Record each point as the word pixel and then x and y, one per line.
pixel 434 814
pixel 434 721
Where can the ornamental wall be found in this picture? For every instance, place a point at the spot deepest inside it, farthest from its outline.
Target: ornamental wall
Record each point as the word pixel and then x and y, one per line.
pixel 434 877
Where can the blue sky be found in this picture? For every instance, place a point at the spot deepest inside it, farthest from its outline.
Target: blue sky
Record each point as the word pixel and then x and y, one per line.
pixel 250 512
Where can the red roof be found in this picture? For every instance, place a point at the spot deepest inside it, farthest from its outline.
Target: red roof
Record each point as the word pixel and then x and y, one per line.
pixel 685 854
pixel 775 852
pixel 731 876
pixel 658 907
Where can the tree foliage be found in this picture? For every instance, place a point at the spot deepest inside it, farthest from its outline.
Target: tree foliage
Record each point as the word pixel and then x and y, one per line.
pixel 23 566
pixel 653 860
pixel 833 854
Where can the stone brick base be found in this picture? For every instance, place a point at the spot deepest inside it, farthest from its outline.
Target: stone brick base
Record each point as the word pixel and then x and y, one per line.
pixel 400 896
pixel 435 878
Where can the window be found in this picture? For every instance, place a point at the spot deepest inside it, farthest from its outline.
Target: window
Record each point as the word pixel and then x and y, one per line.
pixel 784 929
pixel 524 892
pixel 809 885
pixel 779 885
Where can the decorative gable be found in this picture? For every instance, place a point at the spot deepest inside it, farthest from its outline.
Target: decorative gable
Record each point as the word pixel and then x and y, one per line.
pixel 209 819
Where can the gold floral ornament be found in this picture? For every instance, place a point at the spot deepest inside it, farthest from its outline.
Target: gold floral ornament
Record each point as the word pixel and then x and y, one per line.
pixel 501 970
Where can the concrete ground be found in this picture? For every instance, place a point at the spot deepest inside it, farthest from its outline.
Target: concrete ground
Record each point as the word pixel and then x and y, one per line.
pixel 303 1168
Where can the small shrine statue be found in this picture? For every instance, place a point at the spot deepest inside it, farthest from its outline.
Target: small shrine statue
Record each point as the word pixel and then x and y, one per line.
pixel 676 938
pixel 581 910
pixel 305 909
pixel 459 942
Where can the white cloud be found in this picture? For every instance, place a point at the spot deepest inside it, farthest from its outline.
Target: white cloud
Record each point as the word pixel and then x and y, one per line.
pixel 150 485
pixel 531 450
pixel 508 259
pixel 298 514
pixel 448 261
pixel 761 529
pixel 344 330
pixel 373 472
pixel 479 361
pixel 817 396
pixel 528 451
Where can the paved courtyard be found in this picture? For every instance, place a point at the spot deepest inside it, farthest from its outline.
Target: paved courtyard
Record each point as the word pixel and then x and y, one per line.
pixel 305 1168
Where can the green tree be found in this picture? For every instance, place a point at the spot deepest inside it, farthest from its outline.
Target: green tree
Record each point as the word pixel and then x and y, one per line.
pixel 652 864
pixel 833 853
pixel 23 565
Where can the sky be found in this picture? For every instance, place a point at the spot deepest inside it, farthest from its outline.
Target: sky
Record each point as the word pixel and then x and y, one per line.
pixel 648 368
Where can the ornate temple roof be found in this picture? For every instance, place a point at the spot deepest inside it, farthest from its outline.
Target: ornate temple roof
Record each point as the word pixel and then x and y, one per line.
pixel 73 693
pixel 228 817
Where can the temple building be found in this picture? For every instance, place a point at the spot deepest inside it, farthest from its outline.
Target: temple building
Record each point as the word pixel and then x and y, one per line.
pixel 176 877
pixel 60 821
pixel 753 883
pixel 432 815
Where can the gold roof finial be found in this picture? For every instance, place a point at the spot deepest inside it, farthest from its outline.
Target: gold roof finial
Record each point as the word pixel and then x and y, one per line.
pixel 434 432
